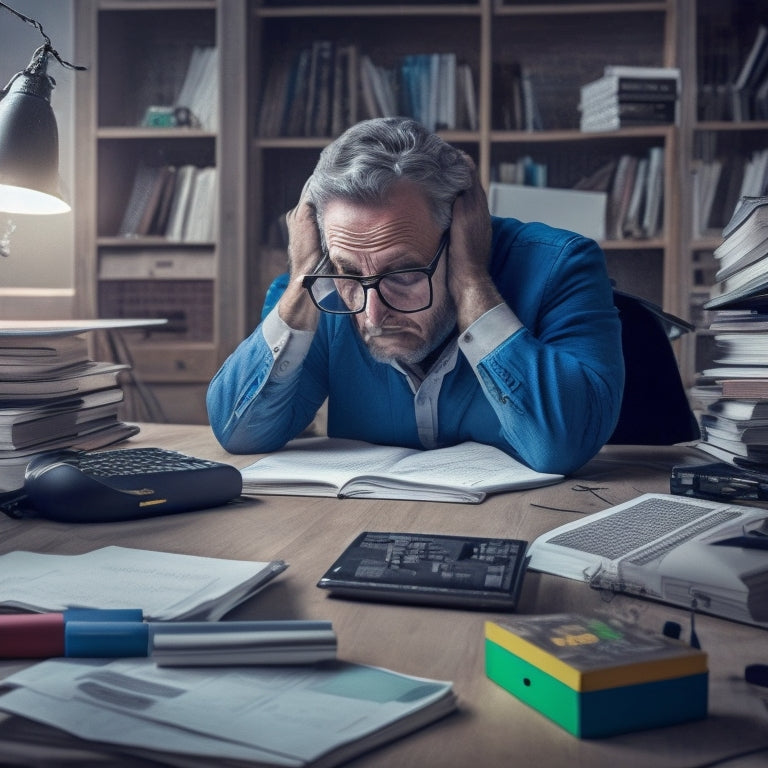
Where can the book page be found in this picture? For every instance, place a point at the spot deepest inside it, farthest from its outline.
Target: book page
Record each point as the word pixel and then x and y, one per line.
pixel 353 468
pixel 319 466
pixel 468 465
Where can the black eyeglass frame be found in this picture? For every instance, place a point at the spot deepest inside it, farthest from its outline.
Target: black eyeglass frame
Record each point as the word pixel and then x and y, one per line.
pixel 371 282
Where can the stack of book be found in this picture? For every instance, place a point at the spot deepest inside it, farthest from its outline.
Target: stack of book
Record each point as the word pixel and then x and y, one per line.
pixel 52 395
pixel 626 96
pixel 735 389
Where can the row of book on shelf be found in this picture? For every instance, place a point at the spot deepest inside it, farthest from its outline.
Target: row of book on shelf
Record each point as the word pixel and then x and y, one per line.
pixel 197 98
pixel 326 87
pixel 733 392
pixel 735 89
pixel 175 202
pixel 719 184
pixel 622 199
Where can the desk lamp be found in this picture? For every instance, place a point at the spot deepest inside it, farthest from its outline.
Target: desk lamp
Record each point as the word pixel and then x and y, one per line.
pixel 29 138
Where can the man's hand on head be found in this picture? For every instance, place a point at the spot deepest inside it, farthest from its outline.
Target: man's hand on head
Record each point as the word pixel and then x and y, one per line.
pixel 304 255
pixel 469 281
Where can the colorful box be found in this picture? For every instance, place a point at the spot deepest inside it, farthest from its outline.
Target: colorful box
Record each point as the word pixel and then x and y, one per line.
pixel 596 676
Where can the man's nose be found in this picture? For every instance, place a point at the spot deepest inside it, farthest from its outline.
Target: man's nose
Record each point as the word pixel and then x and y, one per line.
pixel 375 309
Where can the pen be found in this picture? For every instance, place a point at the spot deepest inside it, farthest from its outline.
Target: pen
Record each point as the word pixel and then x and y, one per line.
pixel 87 633
pixel 43 635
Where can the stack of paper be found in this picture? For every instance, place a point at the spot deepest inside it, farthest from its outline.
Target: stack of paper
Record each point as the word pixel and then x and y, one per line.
pixel 733 425
pixel 286 716
pixel 164 585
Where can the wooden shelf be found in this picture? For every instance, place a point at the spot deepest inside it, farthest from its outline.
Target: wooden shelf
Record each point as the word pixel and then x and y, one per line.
pixel 140 52
pixel 564 44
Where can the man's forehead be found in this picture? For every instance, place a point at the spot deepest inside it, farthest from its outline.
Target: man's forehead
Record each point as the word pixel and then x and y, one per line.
pixel 403 222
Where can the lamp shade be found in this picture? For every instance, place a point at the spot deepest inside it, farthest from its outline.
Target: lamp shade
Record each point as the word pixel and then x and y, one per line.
pixel 29 146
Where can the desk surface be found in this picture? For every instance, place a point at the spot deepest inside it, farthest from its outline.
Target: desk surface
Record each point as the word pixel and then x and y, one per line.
pixel 491 728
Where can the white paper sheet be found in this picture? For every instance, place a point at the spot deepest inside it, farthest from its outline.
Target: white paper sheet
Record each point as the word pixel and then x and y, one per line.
pixel 164 585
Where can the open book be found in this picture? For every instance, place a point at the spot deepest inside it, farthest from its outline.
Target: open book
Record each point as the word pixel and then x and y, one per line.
pixel 356 469
pixel 698 554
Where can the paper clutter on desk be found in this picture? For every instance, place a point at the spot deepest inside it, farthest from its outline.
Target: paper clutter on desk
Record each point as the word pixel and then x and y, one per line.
pixel 597 676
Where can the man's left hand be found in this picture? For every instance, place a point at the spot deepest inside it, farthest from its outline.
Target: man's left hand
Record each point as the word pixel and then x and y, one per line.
pixel 469 282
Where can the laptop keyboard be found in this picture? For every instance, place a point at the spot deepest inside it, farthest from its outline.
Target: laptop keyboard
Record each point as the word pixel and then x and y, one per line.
pixel 614 536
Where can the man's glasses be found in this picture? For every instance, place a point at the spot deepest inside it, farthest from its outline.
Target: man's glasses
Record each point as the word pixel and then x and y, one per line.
pixel 403 290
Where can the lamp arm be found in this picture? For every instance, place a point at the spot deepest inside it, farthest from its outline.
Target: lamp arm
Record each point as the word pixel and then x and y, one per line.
pixel 44 50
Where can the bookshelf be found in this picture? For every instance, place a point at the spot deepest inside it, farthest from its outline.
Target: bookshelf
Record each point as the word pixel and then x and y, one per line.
pixel 559 45
pixel 263 158
pixel 719 134
pixel 140 54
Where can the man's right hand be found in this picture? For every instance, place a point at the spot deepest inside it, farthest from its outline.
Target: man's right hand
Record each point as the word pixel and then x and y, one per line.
pixel 304 255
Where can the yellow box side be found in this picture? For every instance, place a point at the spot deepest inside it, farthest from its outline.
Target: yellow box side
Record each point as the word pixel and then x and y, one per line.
pixel 644 671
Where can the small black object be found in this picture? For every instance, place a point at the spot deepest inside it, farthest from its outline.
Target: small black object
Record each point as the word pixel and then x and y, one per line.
pixel 757 674
pixel 110 486
pixel 672 629
pixel 460 571
pixel 718 481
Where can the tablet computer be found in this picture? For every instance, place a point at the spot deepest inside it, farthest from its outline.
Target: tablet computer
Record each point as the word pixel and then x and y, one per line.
pixel 461 571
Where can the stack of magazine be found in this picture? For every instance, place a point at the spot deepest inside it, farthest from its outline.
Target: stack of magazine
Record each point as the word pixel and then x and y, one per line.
pixel 734 391
pixel 52 395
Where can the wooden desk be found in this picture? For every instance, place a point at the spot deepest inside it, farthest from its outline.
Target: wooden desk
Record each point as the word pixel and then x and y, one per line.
pixel 492 728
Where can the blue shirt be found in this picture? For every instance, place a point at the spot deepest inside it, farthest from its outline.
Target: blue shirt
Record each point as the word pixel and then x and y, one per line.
pixel 540 376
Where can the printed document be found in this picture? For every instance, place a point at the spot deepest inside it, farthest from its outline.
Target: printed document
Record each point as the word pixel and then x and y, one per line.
pixel 277 716
pixel 163 584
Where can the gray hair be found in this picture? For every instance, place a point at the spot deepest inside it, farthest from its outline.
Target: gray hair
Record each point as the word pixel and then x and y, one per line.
pixel 366 161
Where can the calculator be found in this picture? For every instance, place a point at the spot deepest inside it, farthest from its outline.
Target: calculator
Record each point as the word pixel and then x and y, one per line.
pixel 110 486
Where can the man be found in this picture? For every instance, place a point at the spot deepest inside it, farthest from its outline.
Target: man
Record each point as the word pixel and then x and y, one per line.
pixel 423 320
